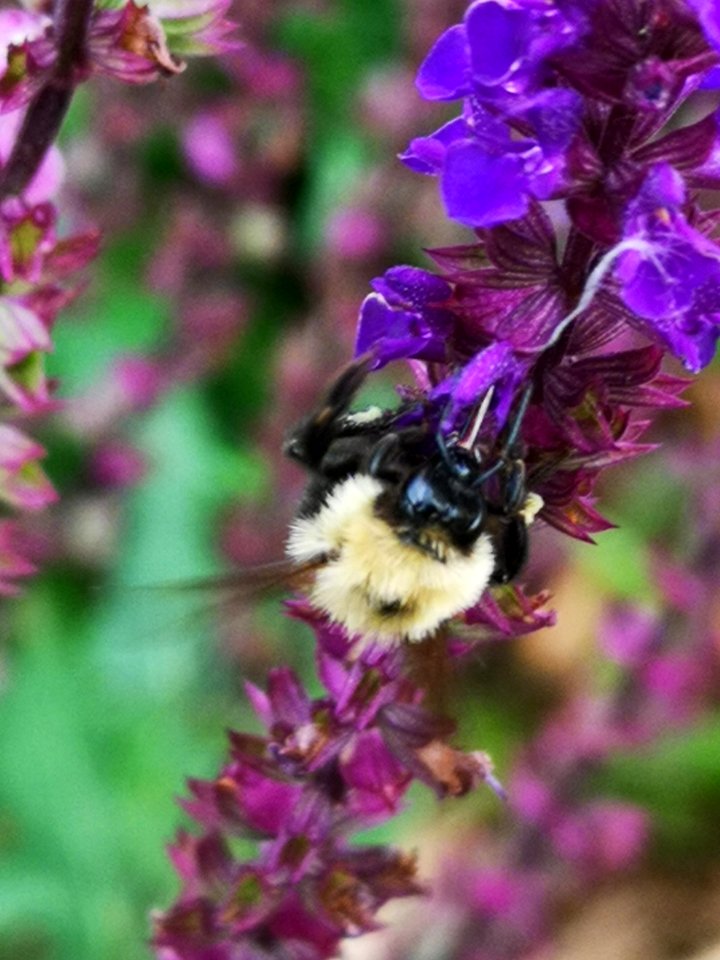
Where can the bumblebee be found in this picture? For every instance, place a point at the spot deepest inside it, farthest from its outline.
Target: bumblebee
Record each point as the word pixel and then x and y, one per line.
pixel 400 528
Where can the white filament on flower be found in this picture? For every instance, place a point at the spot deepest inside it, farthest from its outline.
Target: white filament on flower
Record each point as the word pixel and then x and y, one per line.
pixel 595 279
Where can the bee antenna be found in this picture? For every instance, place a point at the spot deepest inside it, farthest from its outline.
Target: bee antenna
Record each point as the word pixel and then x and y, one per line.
pixel 490 472
pixel 443 448
pixel 511 439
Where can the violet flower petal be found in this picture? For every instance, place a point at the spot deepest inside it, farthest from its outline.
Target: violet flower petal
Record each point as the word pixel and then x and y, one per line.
pixel 444 74
pixel 498 36
pixel 672 280
pixel 480 190
pixel 400 319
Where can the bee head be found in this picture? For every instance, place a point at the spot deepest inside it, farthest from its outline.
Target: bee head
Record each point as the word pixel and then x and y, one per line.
pixel 442 494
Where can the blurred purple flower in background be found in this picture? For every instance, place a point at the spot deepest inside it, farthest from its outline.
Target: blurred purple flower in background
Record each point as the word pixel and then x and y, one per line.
pixel 210 150
pixel 40 269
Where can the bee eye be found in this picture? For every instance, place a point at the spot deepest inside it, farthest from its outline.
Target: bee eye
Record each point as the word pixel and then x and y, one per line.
pixel 418 499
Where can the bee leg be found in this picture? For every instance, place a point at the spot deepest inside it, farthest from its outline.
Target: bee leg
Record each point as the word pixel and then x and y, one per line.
pixel 382 455
pixel 310 440
pixel 517 420
pixel 511 549
pixel 513 486
pixel 517 511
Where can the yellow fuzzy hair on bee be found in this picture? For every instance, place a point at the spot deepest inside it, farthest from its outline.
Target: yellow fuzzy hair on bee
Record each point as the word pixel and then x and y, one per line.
pixel 374 583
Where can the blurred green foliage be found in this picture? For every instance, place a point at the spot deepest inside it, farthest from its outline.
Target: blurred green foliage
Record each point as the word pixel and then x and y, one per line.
pixel 337 53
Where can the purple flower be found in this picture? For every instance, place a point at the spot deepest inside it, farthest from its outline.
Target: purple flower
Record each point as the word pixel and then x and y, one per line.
pixel 37 265
pixel 324 768
pixel 524 71
pixel 709 19
pixel 253 912
pixel 498 51
pixel 16 26
pixel 495 59
pixel 671 278
pixel 642 57
pixel 26 52
pixel 130 42
pixel 507 286
pixel 405 317
pixel 496 366
pixel 197 28
pixel 508 612
pixel 489 176
pixel 23 340
pixel 21 332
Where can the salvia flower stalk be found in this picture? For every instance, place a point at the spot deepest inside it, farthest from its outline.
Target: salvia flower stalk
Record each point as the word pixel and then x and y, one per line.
pixel 326 768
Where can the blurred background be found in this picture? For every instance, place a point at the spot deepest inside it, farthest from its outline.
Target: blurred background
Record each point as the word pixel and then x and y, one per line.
pixel 245 206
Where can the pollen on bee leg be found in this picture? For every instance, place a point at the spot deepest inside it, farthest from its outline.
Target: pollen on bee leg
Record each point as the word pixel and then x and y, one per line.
pixel 531 507
pixel 359 418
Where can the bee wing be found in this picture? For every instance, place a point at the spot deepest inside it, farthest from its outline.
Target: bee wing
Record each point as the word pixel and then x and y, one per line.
pixel 223 595
pixel 248 582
